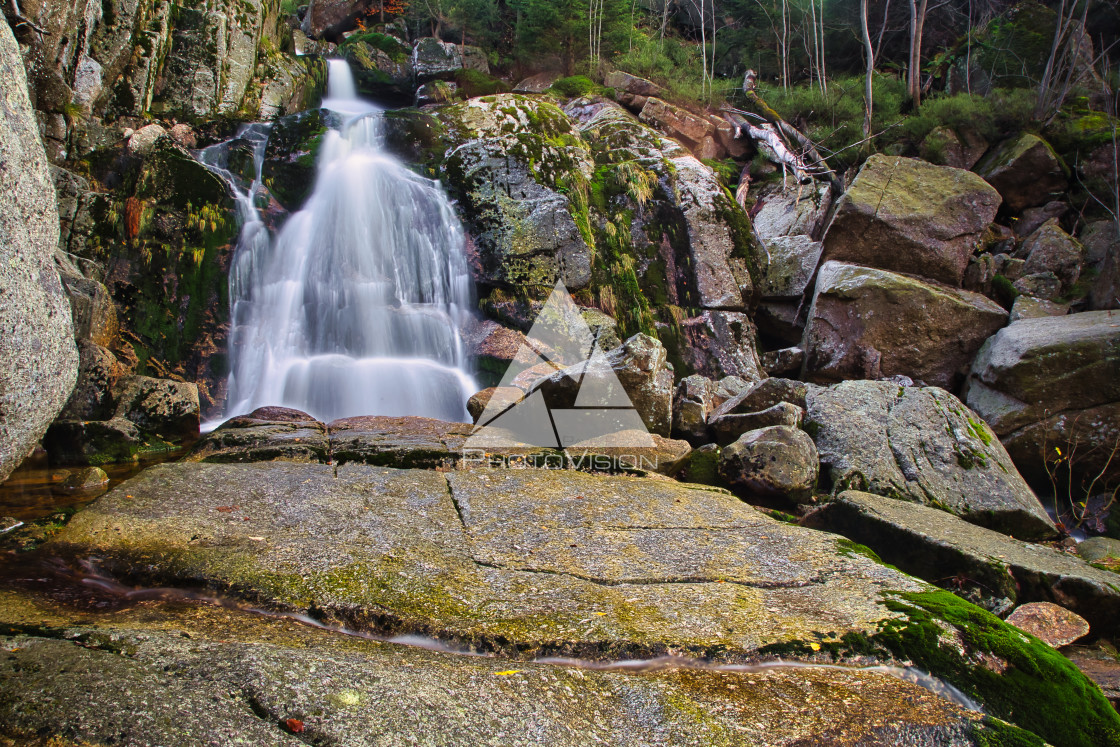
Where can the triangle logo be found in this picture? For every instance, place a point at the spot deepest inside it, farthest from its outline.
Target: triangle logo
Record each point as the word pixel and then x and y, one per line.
pixel 573 397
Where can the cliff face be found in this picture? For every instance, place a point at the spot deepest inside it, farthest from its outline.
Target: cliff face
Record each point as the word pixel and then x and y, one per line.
pixel 38 360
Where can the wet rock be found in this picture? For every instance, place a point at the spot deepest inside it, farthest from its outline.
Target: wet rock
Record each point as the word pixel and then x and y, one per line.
pixel 96 442
pixel 719 344
pixel 184 135
pixel 507 395
pixel 264 435
pixel 493 348
pixel 481 558
pixel 288 169
pixel 1050 249
pixel 230 677
pixel 775 461
pixel 1050 623
pixel 792 264
pixel 920 444
pixel 791 210
pixel 397 442
pixel 1099 664
pixel 869 323
pixel 1052 382
pixel 90 480
pixel 37 353
pixel 291 84
pixel 987 566
pixel 1028 307
pixel 382 66
pixel 784 361
pixel 1025 170
pixel 726 428
pixel 910 216
pixel 160 408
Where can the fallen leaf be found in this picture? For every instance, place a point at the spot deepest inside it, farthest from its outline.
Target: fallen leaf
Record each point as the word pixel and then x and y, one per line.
pixel 295 726
pixel 226 509
pixel 506 672
pixel 815 646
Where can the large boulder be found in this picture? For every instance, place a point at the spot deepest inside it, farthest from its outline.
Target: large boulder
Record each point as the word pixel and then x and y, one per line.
pixel 923 445
pixel 907 215
pixel 717 344
pixel 791 264
pixel 995 570
pixel 541 563
pixel 1025 170
pixel 38 358
pixel 433 59
pixel 330 18
pixel 1053 383
pixel 696 132
pixel 381 64
pixel 870 323
pixel 790 210
pixel 776 461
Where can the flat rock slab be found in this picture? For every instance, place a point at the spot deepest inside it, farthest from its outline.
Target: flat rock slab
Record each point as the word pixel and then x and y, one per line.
pixel 208 676
pixel 938 546
pixel 552 562
pixel 532 563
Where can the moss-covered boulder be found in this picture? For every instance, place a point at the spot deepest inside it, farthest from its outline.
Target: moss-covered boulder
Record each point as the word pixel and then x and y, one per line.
pixel 990 568
pixel 1050 388
pixel 920 444
pixel 381 64
pixel 906 215
pixel 1050 249
pixel 870 323
pixel 640 567
pixel 1025 170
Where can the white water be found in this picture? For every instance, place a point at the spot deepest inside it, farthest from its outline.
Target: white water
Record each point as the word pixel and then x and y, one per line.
pixel 355 307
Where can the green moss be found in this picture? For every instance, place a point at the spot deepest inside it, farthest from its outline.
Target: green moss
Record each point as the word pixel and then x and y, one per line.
pixel 980 430
pixel 1040 690
pixel 848 549
pixel 576 85
pixel 390 45
pixel 1004 291
pixel 476 83
pixel 993 732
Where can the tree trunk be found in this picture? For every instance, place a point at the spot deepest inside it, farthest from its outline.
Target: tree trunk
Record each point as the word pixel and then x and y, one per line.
pixel 868 103
pixel 917 26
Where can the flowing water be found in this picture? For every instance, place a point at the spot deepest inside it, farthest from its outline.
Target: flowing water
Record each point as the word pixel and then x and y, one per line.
pixel 355 306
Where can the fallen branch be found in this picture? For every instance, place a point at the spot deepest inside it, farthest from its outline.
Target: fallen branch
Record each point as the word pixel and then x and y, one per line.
pixel 22 20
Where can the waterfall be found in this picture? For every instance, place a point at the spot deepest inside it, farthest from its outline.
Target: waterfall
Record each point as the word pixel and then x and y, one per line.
pixel 355 307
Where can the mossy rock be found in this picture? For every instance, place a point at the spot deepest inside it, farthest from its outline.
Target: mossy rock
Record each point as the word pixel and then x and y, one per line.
pixel 290 157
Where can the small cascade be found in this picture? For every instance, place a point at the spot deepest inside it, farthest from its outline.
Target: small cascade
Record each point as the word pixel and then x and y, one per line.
pixel 355 307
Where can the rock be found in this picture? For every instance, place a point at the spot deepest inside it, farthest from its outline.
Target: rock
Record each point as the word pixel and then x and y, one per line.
pixel 641 367
pixel 920 444
pixel 433 59
pixel 184 135
pixel 691 406
pixel 1052 382
pixel 92 309
pixel 538 83
pixel 288 169
pixel 630 90
pixel 474 58
pixel 1050 623
pixel 1100 239
pixel 1033 219
pixel 520 221
pixel 722 244
pixel 492 348
pixel 870 323
pixel 382 66
pixel 1042 285
pixel 1025 170
pixel 266 434
pixel 330 18
pixel 719 344
pixel 1099 664
pixel 292 84
pixel 676 122
pixel 992 568
pixel 438 92
pixel 775 461
pixel 397 442
pixel 781 320
pixel 791 210
pixel 38 358
pixel 1104 550
pixel 948 147
pixel 1028 307
pixel 91 480
pixel 476 405
pixel 160 408
pixel 98 372
pixel 792 264
pixel 1050 249
pixel 784 361
pixel 243 676
pixel 1102 245
pixel 144 140
pixel 765 394
pixel 910 216
pixel 97 442
pixel 727 428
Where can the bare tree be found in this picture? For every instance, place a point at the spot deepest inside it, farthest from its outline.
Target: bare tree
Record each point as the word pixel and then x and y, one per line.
pixel 917 26
pixel 1057 76
pixel 868 103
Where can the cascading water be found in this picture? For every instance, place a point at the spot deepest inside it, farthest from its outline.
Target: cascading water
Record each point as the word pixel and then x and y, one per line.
pixel 355 307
